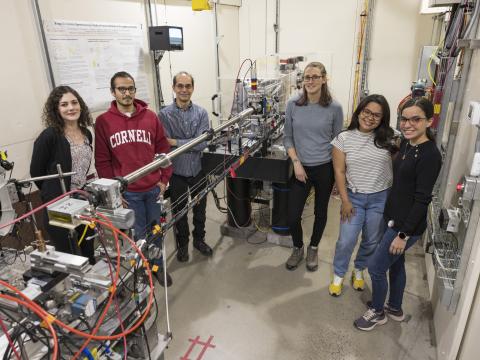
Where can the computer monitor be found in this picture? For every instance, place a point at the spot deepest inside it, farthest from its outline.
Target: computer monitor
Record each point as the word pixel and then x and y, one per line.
pixel 166 38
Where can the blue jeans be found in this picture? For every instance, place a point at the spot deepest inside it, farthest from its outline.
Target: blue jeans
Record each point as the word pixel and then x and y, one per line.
pixel 368 219
pixel 381 262
pixel 147 211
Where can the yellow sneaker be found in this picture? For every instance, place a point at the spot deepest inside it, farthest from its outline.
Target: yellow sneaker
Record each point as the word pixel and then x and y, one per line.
pixel 358 282
pixel 335 287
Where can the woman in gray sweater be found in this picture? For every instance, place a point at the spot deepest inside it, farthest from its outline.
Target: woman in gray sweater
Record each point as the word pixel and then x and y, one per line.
pixel 313 119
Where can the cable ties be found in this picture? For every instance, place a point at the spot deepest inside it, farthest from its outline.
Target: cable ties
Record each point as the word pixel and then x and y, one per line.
pixel 49 319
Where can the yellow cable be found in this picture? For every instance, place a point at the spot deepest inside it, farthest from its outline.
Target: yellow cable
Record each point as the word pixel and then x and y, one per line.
pixel 361 38
pixel 429 68
pixel 83 235
pixel 264 230
pixel 258 227
pixel 430 71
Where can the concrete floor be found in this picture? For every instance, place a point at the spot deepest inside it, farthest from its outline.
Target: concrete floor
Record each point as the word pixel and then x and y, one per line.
pixel 254 308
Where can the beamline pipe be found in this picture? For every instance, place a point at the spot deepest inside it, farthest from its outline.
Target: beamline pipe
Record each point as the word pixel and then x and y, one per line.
pixel 165 159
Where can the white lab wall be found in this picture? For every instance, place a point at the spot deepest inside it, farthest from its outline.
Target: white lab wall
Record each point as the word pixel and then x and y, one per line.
pixel 398 37
pixel 329 28
pixel 24 85
pixel 198 56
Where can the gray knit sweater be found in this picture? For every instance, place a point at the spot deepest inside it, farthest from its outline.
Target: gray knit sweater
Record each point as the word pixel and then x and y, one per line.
pixel 310 129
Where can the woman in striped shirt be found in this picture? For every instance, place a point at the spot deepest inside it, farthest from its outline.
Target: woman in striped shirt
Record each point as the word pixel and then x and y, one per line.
pixel 363 175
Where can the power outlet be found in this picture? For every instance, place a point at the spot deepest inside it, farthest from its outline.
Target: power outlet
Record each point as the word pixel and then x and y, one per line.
pixel 475 168
pixel 473 114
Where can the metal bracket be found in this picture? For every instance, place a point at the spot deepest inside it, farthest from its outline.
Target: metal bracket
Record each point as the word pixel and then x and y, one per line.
pixel 469 43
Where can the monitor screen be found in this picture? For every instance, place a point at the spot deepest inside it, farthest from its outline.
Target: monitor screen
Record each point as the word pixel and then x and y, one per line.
pixel 175 35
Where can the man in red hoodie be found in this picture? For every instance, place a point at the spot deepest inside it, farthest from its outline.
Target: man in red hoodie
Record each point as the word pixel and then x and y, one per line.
pixel 127 137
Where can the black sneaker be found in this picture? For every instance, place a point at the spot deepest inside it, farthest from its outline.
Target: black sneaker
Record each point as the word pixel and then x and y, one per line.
pixel 161 279
pixel 203 247
pixel 370 319
pixel 392 313
pixel 182 253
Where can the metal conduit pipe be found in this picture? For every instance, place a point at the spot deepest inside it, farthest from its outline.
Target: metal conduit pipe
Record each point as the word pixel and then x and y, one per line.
pixel 366 53
pixel 473 21
pixel 165 160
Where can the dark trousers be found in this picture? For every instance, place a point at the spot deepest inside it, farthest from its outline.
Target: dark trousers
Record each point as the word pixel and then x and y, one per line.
pixel 179 187
pixel 321 177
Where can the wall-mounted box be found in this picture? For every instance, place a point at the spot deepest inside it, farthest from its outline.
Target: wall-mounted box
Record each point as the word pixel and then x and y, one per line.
pixel 165 38
pixel 473 114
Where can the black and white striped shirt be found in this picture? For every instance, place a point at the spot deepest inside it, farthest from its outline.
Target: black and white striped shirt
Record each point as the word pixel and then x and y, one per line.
pixel 368 168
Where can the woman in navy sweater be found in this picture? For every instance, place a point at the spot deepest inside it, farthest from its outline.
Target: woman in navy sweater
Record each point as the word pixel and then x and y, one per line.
pixel 415 170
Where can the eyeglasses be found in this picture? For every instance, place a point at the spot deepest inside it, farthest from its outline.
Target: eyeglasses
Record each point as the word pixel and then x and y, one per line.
pixel 312 78
pixel 370 114
pixel 184 86
pixel 413 120
pixel 131 89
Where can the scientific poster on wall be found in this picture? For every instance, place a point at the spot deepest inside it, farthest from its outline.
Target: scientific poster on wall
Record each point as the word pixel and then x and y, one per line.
pixel 85 55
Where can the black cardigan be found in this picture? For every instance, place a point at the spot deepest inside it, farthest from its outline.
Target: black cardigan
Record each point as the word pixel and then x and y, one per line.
pixel 415 170
pixel 49 149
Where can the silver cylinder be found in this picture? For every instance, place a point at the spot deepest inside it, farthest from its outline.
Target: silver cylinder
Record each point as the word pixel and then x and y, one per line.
pixel 165 160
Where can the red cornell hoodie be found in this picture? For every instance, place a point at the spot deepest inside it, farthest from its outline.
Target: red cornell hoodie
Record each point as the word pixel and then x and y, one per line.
pixel 124 144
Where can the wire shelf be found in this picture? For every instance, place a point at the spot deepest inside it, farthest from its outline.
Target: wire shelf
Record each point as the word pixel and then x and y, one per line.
pixel 446 250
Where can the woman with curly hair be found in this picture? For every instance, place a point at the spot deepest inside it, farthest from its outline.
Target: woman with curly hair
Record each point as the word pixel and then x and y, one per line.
pixel 66 141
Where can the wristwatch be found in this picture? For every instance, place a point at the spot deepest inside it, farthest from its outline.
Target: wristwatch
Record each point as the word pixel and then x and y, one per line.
pixel 403 236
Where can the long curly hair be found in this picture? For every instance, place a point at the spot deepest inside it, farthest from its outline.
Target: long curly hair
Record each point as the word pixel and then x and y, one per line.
pixel 383 132
pixel 51 116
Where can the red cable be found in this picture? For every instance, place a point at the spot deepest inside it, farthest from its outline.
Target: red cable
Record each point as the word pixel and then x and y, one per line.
pixel 43 206
pixel 40 312
pixel 10 342
pixel 112 292
pixel 117 310
pixel 81 333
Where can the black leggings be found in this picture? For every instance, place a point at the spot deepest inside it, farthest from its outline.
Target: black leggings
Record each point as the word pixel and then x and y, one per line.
pixel 321 177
